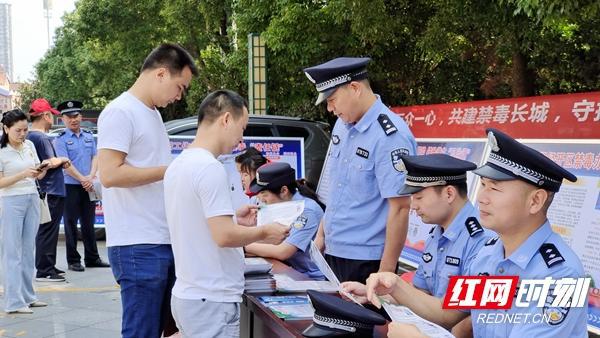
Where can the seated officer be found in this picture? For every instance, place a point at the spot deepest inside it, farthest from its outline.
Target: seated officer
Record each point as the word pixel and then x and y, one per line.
pixel 517 187
pixel 335 317
pixel 276 182
pixel 438 185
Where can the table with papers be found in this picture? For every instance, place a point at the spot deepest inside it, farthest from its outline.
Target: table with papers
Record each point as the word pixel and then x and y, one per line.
pixel 257 321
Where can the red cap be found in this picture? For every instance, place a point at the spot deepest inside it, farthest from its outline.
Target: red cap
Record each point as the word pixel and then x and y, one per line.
pixel 40 106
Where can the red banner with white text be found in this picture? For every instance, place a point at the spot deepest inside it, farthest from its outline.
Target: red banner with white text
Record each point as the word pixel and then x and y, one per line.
pixel 568 116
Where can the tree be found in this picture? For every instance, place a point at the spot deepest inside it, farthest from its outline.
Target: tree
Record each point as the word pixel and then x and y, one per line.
pixel 423 51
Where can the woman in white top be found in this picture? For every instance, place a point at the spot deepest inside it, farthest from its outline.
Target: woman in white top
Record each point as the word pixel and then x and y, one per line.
pixel 20 212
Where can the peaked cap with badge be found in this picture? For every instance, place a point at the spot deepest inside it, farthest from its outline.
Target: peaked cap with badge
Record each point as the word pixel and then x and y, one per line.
pixel 328 76
pixel 335 317
pixel 432 170
pixel 510 160
pixel 70 107
pixel 272 175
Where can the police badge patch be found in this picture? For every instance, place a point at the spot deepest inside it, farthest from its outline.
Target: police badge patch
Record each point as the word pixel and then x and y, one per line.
pixel 427 257
pixel 300 222
pixel 397 161
pixel 554 315
pixel 335 139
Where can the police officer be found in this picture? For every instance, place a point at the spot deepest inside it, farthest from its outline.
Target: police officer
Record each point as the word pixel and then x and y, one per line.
pixel 275 182
pixel 79 146
pixel 365 224
pixel 438 185
pixel 517 187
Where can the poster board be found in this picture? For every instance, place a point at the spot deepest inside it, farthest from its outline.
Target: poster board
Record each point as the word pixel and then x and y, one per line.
pixel 286 149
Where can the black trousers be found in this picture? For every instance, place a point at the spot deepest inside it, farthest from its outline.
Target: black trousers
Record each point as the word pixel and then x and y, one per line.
pixel 351 269
pixel 47 237
pixel 78 207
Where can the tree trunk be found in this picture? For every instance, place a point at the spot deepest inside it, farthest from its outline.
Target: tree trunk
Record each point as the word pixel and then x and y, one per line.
pixel 523 79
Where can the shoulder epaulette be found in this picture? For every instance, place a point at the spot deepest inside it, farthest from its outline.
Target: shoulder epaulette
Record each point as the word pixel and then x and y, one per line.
pixel 386 124
pixel 432 228
pixel 86 131
pixel 62 132
pixel 473 226
pixel 491 241
pixel 550 254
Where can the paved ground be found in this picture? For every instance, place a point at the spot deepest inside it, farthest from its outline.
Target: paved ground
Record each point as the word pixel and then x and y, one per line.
pixel 87 305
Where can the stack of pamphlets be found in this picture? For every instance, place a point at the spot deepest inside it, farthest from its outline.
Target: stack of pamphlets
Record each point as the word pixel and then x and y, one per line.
pixel 289 307
pixel 258 275
pixel 287 284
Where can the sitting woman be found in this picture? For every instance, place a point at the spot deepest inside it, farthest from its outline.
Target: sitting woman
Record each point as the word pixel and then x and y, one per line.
pixel 276 182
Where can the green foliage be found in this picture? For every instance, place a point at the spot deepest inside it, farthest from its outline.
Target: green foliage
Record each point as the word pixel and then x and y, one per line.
pixel 423 51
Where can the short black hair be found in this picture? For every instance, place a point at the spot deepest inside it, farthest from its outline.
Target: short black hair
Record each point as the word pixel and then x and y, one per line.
pixel 34 118
pixel 9 118
pixel 460 187
pixel 171 56
pixel 252 163
pixel 219 102
pixel 248 152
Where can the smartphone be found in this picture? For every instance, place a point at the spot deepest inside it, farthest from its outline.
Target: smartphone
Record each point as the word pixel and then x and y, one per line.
pixel 42 166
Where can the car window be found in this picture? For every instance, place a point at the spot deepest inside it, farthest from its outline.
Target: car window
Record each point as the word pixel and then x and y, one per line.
pixel 186 132
pixel 289 131
pixel 258 130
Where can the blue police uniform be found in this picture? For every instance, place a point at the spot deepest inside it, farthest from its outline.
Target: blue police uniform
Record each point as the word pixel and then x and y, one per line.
pixel 530 261
pixel 450 253
pixel 363 163
pixel 80 148
pixel 274 175
pixel 543 254
pixel 303 231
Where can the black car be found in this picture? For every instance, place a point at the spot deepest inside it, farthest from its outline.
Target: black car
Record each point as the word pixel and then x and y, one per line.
pixel 316 136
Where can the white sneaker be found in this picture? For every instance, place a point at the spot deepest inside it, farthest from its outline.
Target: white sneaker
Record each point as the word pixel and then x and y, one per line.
pixel 24 310
pixel 38 303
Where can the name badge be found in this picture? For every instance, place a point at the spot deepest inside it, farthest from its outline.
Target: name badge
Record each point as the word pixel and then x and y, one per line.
pixel 452 260
pixel 362 152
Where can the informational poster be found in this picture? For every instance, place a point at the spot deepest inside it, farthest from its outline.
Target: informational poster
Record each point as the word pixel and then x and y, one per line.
pixel 278 149
pixel 468 150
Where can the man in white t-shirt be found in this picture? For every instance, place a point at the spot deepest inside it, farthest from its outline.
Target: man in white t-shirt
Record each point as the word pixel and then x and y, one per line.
pixel 133 154
pixel 207 240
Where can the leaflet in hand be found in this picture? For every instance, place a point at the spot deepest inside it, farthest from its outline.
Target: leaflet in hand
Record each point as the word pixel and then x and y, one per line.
pixel 402 314
pixel 319 260
pixel 284 213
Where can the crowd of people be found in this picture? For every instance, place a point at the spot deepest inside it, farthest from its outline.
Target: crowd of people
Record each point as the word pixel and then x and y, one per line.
pixel 176 243
pixel 43 176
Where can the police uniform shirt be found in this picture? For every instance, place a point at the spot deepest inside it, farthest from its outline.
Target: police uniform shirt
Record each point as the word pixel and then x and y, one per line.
pixel 53 182
pixel 543 254
pixel 80 149
pixel 364 161
pixel 302 232
pixel 450 252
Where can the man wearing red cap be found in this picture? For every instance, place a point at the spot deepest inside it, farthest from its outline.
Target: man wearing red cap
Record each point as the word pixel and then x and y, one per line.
pixel 53 184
